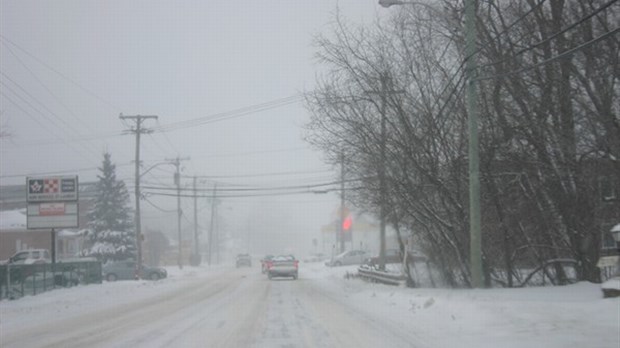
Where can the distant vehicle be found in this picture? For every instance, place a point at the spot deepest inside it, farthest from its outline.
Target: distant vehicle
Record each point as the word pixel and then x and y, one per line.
pixel 350 257
pixel 29 257
pixel 316 257
pixel 264 262
pixel 283 266
pixel 127 270
pixel 395 256
pixel 244 260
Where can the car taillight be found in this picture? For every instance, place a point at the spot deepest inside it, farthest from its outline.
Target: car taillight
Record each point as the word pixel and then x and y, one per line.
pixel 269 264
pixel 296 263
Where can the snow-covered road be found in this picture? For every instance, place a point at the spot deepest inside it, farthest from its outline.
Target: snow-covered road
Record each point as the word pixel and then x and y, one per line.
pixel 234 308
pixel 227 307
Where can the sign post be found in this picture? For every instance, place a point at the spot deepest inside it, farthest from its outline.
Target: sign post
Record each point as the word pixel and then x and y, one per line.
pixel 52 203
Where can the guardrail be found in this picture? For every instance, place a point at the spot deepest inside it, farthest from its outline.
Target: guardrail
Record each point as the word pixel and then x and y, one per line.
pixel 381 277
pixel 21 280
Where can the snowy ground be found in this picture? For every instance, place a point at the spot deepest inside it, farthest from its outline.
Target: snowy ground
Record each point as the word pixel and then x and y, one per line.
pixel 229 307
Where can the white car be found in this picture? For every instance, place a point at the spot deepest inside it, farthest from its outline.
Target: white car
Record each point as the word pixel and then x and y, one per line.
pixel 349 257
pixel 29 257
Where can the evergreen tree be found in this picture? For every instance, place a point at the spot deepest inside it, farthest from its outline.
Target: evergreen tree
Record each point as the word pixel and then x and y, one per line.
pixel 111 233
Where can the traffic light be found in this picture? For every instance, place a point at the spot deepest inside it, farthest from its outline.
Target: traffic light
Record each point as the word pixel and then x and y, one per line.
pixel 346 224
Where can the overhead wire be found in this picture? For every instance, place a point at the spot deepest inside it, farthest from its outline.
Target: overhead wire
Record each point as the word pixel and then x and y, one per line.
pixel 227 115
pixel 43 126
pixel 42 105
pixel 553 36
pixel 86 90
pixel 71 113
pixel 554 58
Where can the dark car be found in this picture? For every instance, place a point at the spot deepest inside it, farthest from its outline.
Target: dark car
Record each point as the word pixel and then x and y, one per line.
pixel 244 260
pixel 127 270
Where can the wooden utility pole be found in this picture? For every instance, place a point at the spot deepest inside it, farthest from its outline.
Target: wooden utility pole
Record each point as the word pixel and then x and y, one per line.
pixel 212 224
pixel 138 130
pixel 177 180
pixel 385 91
pixel 196 256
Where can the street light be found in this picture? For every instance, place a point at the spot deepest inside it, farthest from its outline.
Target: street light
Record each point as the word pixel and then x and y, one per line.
pixel 472 112
pixel 388 3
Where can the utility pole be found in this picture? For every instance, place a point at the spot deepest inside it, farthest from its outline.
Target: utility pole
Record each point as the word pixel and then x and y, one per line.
pixel 475 246
pixel 342 217
pixel 196 257
pixel 138 130
pixel 382 184
pixel 382 164
pixel 177 180
pixel 211 225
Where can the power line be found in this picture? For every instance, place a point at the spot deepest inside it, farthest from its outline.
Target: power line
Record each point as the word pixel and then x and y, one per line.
pixel 109 104
pixel 65 123
pixel 59 171
pixel 230 196
pixel 535 45
pixel 253 189
pixel 43 126
pixel 559 56
pixel 227 115
pixel 262 174
pixel 77 119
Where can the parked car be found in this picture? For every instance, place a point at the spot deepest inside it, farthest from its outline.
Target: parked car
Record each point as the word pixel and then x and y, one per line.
pixel 349 257
pixel 29 257
pixel 283 266
pixel 127 270
pixel 244 260
pixel 316 257
pixel 395 256
pixel 264 262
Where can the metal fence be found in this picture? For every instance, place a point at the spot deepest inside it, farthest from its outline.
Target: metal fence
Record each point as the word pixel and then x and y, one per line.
pixel 21 280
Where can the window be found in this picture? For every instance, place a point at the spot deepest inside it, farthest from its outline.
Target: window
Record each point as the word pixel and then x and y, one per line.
pixel 607 241
pixel 608 188
pixel 20 257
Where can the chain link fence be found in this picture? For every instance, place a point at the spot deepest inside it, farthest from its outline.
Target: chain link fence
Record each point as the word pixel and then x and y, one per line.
pixel 21 280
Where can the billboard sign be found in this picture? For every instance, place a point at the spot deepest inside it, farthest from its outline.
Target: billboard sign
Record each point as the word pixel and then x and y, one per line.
pixel 52 202
pixel 52 189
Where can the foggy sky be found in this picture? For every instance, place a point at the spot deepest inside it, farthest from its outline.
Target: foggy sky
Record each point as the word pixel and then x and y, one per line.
pixel 69 68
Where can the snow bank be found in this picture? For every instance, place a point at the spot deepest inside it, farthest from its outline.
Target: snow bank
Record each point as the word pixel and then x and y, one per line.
pixel 13 219
pixel 566 316
pixel 66 303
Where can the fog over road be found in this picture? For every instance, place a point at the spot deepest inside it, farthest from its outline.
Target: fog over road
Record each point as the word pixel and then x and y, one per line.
pixel 236 308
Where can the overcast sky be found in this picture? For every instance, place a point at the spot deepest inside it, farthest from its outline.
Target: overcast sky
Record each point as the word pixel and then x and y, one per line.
pixel 69 68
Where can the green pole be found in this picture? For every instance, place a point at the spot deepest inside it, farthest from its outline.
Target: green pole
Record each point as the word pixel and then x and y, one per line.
pixel 474 176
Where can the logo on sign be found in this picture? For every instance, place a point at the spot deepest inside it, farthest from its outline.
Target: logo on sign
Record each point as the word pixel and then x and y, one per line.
pixel 52 189
pixel 35 186
pixel 68 185
pixel 51 186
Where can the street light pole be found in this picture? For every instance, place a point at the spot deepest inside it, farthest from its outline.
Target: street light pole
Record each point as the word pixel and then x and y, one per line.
pixel 475 242
pixel 475 246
